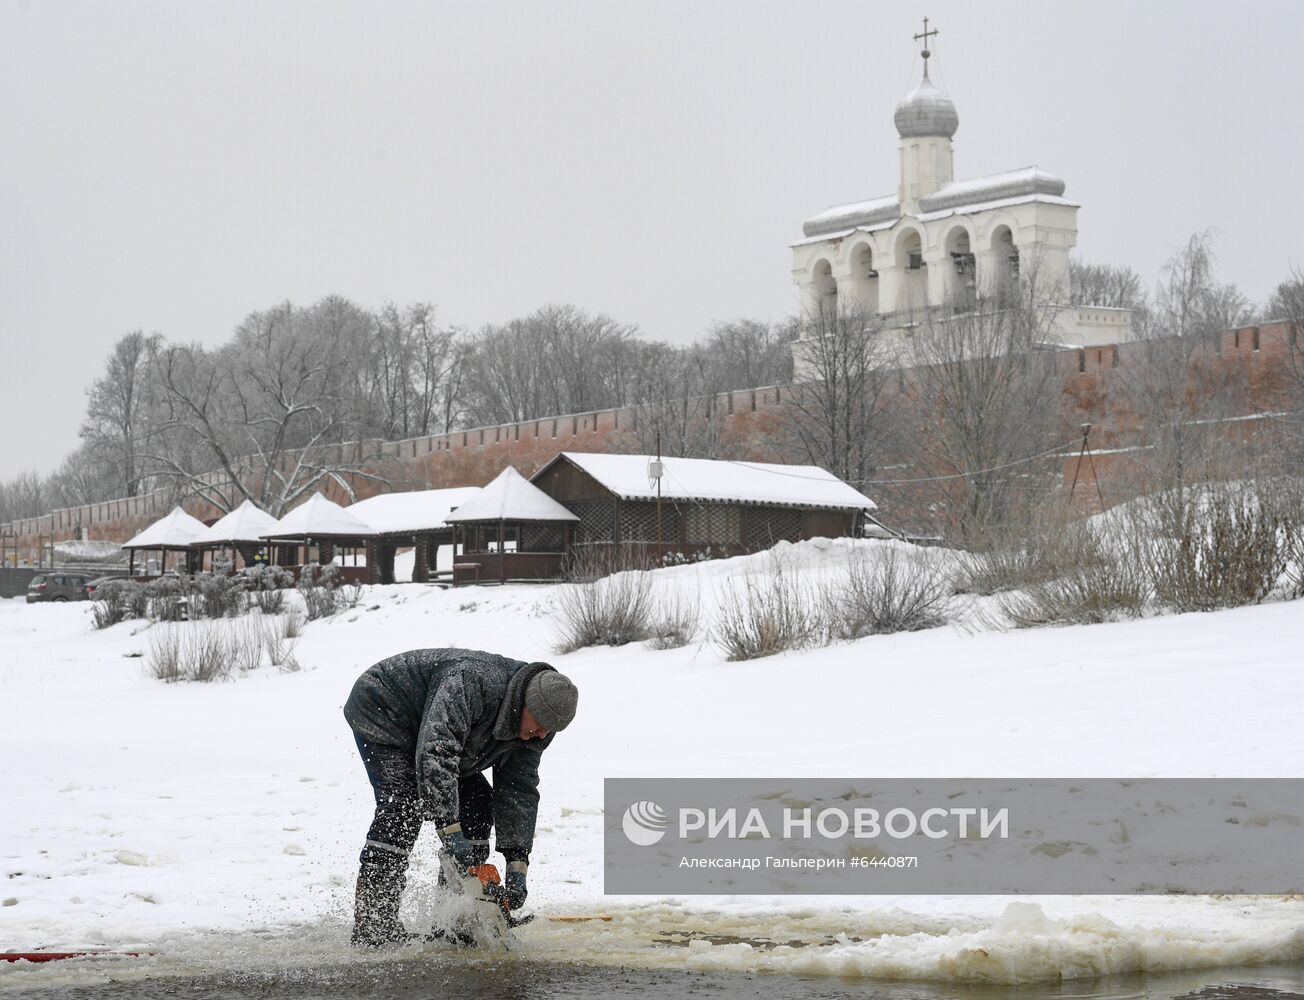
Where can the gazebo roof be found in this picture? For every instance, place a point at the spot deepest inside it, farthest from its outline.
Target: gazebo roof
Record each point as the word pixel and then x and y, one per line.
pixel 511 497
pixel 175 530
pixel 712 480
pixel 417 510
pixel 247 523
pixel 320 518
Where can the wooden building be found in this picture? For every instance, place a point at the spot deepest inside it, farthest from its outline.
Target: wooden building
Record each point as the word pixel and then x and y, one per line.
pixel 238 536
pixel 510 531
pixel 709 507
pixel 326 527
pixel 413 520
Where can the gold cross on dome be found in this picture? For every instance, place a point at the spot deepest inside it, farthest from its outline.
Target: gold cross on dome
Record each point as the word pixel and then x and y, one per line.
pixel 925 36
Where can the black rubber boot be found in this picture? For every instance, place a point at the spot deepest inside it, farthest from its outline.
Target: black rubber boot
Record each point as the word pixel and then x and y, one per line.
pixel 375 913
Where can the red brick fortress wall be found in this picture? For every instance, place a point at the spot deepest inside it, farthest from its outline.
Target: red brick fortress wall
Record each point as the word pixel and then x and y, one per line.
pixel 1250 367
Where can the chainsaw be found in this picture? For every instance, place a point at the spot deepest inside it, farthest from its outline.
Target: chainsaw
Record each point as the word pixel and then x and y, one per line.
pixel 482 885
pixel 493 891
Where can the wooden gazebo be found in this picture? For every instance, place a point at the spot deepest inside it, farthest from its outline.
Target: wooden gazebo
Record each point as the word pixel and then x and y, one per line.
pixel 240 532
pixel 325 525
pixel 415 519
pixel 176 531
pixel 512 530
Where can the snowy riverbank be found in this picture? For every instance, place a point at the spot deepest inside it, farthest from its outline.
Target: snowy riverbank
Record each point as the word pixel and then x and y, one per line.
pixel 141 813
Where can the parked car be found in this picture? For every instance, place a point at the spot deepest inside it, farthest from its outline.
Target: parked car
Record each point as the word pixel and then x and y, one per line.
pixel 99 581
pixel 57 586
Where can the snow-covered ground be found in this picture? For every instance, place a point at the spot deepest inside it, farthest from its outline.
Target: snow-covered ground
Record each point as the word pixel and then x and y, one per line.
pixel 141 813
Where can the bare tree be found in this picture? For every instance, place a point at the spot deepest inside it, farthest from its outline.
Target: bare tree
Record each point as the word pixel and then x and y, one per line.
pixel 264 409
pixel 1287 300
pixel 1105 285
pixel 117 422
pixel 675 404
pixel 841 416
pixel 986 402
pixel 559 359
pixel 403 373
pixel 83 477
pixel 746 353
pixel 1287 305
pixel 436 371
pixel 1178 396
pixel 505 375
pixel 25 495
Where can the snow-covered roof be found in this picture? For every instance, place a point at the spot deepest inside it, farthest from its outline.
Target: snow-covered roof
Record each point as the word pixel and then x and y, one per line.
pixel 992 206
pixel 1026 184
pixel 418 510
pixel 860 213
pixel 319 518
pixel 247 523
pixel 721 481
pixel 175 530
pixel 842 234
pixel 511 497
pixel 1008 184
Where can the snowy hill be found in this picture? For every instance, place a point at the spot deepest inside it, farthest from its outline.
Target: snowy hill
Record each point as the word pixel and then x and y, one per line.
pixel 140 813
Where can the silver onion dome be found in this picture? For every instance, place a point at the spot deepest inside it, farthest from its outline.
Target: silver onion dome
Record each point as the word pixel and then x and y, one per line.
pixel 926 111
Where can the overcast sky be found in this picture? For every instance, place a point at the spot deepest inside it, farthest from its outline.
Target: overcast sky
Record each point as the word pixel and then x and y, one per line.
pixel 172 166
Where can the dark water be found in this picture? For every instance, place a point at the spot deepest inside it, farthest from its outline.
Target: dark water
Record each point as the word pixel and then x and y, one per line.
pixel 407 979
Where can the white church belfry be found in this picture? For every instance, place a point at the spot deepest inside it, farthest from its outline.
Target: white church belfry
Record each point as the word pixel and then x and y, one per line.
pixel 938 243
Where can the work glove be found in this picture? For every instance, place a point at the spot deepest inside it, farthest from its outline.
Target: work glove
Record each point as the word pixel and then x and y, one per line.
pixel 514 885
pixel 458 847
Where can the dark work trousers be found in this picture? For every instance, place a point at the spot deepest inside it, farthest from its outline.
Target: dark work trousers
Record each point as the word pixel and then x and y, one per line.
pixel 393 776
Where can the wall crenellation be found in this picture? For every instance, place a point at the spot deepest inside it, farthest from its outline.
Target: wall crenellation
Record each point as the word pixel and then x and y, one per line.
pixel 1252 359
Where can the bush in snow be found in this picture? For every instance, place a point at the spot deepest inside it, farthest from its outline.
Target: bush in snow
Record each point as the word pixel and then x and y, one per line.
pixel 244 644
pixel 1019 556
pixel 221 593
pixel 292 623
pixel 267 586
pixel 767 613
pixel 279 640
pixel 348 596
pixel 169 599
pixel 676 619
pixel 207 652
pixel 213 650
pixel 198 651
pixel 888 590
pixel 1217 547
pixel 164 659
pixel 319 586
pixel 680 559
pixel 609 611
pixel 1293 548
pixel 117 601
pixel 1085 595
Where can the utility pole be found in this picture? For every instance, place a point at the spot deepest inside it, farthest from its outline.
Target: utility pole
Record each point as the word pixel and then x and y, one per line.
pixel 658 468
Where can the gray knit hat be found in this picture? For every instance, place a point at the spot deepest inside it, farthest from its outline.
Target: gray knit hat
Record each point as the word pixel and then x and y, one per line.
pixel 551 698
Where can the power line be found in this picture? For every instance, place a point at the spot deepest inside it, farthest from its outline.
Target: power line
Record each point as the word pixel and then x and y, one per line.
pixel 922 479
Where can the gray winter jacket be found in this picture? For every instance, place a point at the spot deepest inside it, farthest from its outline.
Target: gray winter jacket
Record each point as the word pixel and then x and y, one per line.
pixel 458 711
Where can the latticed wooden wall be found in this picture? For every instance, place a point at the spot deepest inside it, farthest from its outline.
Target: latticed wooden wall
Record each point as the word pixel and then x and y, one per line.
pixel 763 526
pixel 638 522
pixel 543 537
pixel 712 524
pixel 727 526
pixel 597 520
